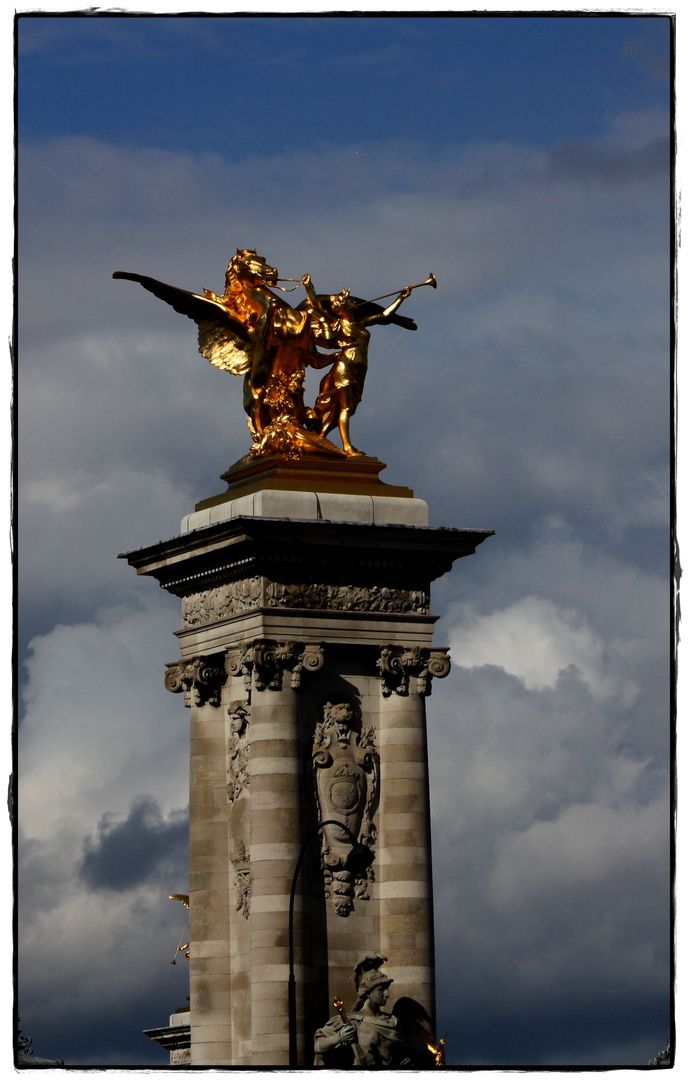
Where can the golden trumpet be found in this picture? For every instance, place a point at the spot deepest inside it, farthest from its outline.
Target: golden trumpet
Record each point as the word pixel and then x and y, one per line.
pixel 430 280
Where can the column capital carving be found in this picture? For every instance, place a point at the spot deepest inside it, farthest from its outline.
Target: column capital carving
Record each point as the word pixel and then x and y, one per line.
pixel 263 662
pixel 397 664
pixel 200 680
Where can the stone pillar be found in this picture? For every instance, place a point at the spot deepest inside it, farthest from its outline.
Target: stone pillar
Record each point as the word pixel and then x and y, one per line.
pixel 276 799
pixel 405 871
pixel 294 605
pixel 200 681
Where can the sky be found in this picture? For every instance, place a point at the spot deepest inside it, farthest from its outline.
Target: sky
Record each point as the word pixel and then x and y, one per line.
pixel 525 161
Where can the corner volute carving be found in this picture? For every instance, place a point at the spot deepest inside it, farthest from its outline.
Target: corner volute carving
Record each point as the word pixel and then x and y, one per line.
pixel 397 664
pixel 263 663
pixel 200 680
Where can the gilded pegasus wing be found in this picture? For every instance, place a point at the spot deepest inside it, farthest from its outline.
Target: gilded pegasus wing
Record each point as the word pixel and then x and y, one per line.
pixel 220 344
pixel 222 340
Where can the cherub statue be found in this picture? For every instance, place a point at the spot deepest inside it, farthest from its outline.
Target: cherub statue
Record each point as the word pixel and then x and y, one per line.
pixel 369 1037
pixel 346 319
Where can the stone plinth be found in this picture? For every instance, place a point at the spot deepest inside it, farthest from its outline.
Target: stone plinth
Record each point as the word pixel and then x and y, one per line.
pixel 175 1038
pixel 306 657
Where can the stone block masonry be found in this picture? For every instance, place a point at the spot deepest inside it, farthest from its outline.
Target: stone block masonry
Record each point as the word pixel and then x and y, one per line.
pixel 306 658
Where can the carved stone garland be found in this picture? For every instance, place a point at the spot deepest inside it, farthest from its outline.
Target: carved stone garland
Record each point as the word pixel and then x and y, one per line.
pixel 238 750
pixel 346 774
pixel 238 780
pixel 241 861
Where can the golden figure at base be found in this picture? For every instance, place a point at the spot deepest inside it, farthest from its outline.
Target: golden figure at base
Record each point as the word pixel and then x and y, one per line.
pixel 251 331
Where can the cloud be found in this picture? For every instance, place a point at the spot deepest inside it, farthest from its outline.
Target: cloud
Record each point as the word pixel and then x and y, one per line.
pixel 124 853
pixel 537 641
pixel 532 400
pixel 102 794
pixel 551 862
pixel 586 845
pixel 584 161
pixel 549 789
pixel 97 732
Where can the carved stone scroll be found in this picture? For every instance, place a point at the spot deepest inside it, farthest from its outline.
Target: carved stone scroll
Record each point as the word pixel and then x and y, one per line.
pixel 199 680
pixel 397 664
pixel 263 663
pixel 346 768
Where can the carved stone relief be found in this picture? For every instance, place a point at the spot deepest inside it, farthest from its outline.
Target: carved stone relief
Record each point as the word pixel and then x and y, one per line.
pixel 348 598
pixel 233 598
pixel 346 773
pixel 238 750
pixel 264 663
pixel 200 680
pixel 241 862
pixel 397 664
pixel 247 594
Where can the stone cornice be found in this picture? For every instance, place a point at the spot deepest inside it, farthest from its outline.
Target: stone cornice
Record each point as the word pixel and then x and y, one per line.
pixel 304 550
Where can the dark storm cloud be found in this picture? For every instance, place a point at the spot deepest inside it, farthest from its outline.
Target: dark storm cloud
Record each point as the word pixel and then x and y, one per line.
pixel 125 853
pixel 576 1033
pixel 116 1034
pixel 551 862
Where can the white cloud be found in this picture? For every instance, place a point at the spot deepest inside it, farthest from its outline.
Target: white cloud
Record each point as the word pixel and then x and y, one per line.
pixel 587 846
pixel 99 727
pixel 536 640
pixel 99 731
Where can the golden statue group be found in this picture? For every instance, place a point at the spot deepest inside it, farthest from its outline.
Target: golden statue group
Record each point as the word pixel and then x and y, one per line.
pixel 251 331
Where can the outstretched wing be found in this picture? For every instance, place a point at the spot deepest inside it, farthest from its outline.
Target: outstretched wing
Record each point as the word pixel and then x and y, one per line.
pixel 220 344
pixel 368 308
pixel 222 340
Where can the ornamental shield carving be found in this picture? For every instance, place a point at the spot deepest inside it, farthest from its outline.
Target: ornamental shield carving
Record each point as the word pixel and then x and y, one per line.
pixel 346 773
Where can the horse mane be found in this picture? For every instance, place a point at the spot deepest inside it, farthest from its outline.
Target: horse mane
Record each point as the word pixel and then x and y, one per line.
pixel 242 255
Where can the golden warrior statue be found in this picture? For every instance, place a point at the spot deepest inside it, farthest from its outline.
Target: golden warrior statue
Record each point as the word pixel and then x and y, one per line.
pixel 251 331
